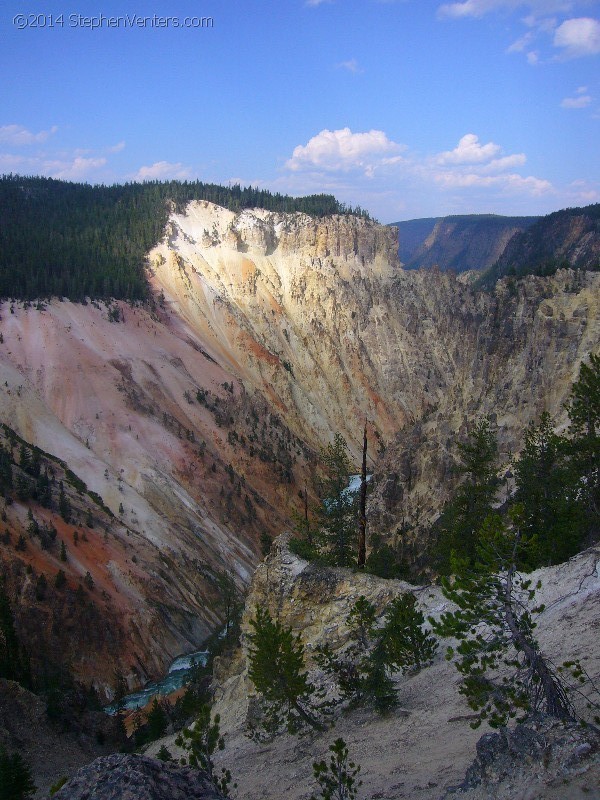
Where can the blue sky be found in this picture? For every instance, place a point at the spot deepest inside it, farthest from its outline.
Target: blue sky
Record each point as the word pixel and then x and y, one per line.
pixel 410 108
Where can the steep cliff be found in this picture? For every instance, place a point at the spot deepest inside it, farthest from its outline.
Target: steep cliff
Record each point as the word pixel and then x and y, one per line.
pixel 196 419
pixel 460 243
pixel 569 238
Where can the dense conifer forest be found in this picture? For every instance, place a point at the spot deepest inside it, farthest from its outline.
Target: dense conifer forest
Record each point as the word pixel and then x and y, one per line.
pixel 75 240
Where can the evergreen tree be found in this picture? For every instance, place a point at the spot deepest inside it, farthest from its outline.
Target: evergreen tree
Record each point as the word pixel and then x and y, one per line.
pixel 14 664
pixel 553 518
pixel 584 431
pixel 157 723
pixel 504 671
pixel 338 779
pixel 64 506
pixel 201 741
pixel 6 479
pixel 164 754
pixel 406 644
pixel 61 579
pixel 43 490
pixel 276 668
pixel 337 516
pixel 362 504
pixel 474 498
pixel 16 782
pixel 24 457
pixel 363 671
pixel 231 604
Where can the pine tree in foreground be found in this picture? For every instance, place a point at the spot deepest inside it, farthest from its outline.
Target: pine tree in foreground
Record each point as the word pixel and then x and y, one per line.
pixel 504 671
pixel 363 671
pixel 16 782
pixel 200 741
pixel 338 779
pixel 276 668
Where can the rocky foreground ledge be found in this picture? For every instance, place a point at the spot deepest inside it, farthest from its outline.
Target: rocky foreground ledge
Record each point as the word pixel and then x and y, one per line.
pixel 542 759
pixel 131 777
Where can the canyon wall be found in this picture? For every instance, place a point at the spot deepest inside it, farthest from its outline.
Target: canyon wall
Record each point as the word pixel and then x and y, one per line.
pixel 197 419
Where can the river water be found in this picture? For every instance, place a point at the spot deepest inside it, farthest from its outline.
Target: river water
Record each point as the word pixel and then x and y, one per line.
pixel 176 677
pixel 180 669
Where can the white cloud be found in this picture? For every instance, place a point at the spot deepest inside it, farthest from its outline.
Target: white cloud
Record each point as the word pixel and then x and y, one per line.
pixel 581 192
pixel 315 3
pixel 117 147
pixel 578 37
pixel 478 8
pixel 160 170
pixel 342 150
pixel 376 172
pixel 504 163
pixel 351 65
pixel 18 136
pixel 75 168
pixel 469 151
pixel 510 182
pixel 78 169
pixel 472 165
pixel 580 101
pixel 521 44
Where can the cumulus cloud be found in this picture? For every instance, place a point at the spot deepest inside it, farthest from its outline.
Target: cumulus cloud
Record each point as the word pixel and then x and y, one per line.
pixel 469 151
pixel 18 136
pixel 371 169
pixel 578 37
pixel 162 170
pixel 343 150
pixel 116 148
pixel 473 165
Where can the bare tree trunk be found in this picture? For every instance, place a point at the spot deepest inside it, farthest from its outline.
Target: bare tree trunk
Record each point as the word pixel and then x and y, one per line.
pixel 555 698
pixel 362 513
pixel 306 522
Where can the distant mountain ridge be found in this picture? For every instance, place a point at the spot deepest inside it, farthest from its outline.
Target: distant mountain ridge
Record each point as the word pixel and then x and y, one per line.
pixel 460 243
pixel 568 238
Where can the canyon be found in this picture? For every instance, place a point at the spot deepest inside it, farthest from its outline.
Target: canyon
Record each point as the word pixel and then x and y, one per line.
pixel 197 419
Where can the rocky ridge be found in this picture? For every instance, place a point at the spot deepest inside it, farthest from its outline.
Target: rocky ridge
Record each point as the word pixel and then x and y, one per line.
pixel 461 242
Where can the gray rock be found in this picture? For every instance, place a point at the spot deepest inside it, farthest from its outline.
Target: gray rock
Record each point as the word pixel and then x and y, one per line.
pixel 133 777
pixel 542 752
